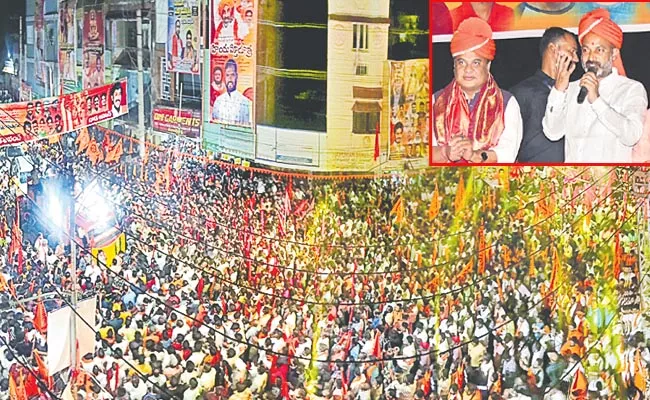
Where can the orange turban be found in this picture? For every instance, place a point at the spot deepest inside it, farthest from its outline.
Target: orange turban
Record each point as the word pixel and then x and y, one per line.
pixel 600 23
pixel 473 34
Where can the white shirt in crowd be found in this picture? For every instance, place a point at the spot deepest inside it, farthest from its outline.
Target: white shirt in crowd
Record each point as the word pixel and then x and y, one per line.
pixel 603 132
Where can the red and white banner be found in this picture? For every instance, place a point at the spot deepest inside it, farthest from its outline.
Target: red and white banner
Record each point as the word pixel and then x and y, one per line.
pixel 51 116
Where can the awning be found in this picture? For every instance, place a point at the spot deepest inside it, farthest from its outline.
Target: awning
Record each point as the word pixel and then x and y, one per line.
pixel 367 93
pixel 366 107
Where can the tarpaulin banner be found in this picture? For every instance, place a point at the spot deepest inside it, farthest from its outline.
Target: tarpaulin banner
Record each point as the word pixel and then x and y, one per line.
pixel 56 115
pixel 67 44
pixel 525 19
pixel 409 103
pixel 93 47
pixel 179 122
pixel 232 61
pixel 59 332
pixel 183 41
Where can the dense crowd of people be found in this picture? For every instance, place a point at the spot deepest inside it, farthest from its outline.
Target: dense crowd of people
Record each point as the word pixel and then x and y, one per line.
pixel 239 284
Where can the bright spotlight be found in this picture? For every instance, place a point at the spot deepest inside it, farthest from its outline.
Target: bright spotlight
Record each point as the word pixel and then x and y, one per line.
pixel 94 206
pixel 56 212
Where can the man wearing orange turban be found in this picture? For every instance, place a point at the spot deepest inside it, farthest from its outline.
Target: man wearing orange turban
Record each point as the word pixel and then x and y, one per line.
pixel 473 119
pixel 606 121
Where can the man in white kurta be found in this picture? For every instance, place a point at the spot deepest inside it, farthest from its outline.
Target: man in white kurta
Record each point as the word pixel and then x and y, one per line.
pixel 609 123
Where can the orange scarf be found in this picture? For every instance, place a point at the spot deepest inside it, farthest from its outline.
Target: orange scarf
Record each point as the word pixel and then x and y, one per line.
pixel 484 125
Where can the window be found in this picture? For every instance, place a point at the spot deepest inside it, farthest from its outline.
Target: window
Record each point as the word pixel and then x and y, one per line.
pixel 362 70
pixel 360 36
pixel 365 122
pixel 165 80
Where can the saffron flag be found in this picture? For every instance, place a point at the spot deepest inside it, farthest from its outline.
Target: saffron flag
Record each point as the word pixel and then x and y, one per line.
pixel 434 207
pixel 398 210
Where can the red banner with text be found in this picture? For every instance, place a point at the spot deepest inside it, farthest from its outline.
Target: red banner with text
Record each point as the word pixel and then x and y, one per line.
pixel 51 116
pixel 178 122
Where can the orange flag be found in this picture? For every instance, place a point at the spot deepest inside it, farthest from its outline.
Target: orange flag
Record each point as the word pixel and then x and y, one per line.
pixel 578 389
pixel 460 194
pixel 94 152
pixel 42 369
pixel 40 317
pixel 13 389
pixel 398 210
pixel 617 256
pixel 434 208
pixel 115 153
pixel 481 251
pixel 168 174
pixel 556 266
pixel 83 140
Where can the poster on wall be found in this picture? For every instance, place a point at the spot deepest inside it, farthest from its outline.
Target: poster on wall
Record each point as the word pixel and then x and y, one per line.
pixel 51 116
pixel 25 91
pixel 232 62
pixel 185 123
pixel 183 28
pixel 524 19
pixel 409 102
pixel 40 72
pixel 67 44
pixel 93 47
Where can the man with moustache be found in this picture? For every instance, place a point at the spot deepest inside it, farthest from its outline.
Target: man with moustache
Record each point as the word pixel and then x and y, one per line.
pixel 474 121
pixel 532 95
pixel 232 107
pixel 609 123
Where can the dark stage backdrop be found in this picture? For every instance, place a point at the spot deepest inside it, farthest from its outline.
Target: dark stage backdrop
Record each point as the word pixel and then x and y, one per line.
pixel 516 59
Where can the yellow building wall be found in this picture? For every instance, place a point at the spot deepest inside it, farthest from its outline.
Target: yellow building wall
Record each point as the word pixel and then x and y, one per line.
pixel 341 149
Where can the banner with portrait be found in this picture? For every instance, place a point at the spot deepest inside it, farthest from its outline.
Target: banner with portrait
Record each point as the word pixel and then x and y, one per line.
pixel 178 122
pixel 183 27
pixel 409 105
pixel 232 62
pixel 67 45
pixel 526 19
pixel 40 70
pixel 93 47
pixel 57 115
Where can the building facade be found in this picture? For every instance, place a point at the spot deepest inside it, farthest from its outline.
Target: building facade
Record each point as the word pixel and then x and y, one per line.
pixel 321 76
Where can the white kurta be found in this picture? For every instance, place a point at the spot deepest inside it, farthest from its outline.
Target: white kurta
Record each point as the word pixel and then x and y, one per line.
pixel 603 132
pixel 510 140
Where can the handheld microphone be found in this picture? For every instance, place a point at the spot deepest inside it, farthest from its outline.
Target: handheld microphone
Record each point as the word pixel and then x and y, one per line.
pixel 583 90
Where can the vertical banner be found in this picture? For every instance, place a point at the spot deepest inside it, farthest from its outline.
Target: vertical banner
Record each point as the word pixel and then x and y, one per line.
pixel 183 28
pixel 39 43
pixel 67 44
pixel 409 102
pixel 233 36
pixel 93 47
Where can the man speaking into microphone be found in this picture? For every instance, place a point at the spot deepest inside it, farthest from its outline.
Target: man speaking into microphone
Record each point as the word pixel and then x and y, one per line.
pixel 600 116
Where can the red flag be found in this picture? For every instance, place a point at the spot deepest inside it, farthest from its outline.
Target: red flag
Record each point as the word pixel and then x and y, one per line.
pixel 376 349
pixel 40 317
pixel 377 150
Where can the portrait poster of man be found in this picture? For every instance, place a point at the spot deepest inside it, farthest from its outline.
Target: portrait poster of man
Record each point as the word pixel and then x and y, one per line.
pixel 409 105
pixel 67 43
pixel 232 61
pixel 93 47
pixel 183 42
